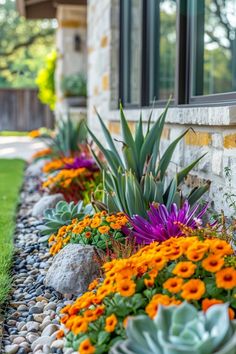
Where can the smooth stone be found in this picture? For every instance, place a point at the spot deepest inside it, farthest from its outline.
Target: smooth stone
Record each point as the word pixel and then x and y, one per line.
pixel 32 337
pixel 45 340
pixel 32 326
pixel 50 329
pixel 72 269
pixel 11 349
pixel 46 349
pixel 46 202
pixel 23 308
pixel 35 310
pixel 19 340
pixel 59 343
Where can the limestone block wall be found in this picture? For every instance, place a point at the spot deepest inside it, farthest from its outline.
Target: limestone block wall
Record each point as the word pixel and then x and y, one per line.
pixel 72 22
pixel 214 126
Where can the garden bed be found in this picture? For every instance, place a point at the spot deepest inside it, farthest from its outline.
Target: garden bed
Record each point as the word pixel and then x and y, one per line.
pixel 32 309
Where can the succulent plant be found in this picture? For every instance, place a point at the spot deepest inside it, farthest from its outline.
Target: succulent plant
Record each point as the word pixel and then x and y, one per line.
pixel 67 138
pixel 136 177
pixel 180 330
pixel 63 214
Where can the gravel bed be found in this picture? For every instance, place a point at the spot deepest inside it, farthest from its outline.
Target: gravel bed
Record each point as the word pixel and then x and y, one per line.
pixel 32 312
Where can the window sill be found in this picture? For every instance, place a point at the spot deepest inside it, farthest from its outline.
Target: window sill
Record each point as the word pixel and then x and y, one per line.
pixel 186 114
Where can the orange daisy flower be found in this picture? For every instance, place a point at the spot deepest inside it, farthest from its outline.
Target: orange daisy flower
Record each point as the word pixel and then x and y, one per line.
pixel 184 269
pixel 86 347
pixel 213 263
pixel 126 287
pixel 173 285
pixel 103 229
pixel 111 323
pixel 193 289
pixel 226 278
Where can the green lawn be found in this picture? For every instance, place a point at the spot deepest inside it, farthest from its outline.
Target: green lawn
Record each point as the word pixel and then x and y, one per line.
pixel 11 178
pixel 13 133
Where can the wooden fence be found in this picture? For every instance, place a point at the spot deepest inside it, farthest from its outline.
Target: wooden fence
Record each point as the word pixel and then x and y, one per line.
pixel 21 110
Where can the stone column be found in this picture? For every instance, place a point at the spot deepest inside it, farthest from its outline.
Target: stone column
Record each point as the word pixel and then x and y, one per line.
pixel 71 45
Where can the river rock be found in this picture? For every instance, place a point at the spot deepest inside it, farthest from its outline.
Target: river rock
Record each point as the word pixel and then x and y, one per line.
pixel 73 269
pixel 46 202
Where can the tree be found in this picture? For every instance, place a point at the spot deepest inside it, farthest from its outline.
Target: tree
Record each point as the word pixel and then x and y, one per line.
pixel 23 45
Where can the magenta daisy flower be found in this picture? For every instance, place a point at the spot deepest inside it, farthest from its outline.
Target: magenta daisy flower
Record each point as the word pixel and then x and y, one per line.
pixel 163 224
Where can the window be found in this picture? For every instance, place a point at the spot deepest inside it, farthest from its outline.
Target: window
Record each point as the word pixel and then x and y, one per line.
pixel 213 47
pixel 185 49
pixel 148 49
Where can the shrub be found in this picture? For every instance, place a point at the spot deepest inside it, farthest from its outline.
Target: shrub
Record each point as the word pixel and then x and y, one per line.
pixel 74 85
pixel 46 81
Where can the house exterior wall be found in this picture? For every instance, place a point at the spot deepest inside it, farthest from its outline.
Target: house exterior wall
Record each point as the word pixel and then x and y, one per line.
pixel 214 126
pixel 72 21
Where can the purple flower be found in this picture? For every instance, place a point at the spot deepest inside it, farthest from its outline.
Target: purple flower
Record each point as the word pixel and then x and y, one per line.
pixel 82 161
pixel 163 224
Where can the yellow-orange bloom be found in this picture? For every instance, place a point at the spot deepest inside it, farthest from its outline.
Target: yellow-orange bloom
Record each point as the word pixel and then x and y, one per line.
pixel 86 347
pixel 126 287
pixel 184 269
pixel 111 323
pixel 213 263
pixel 193 289
pixel 173 285
pixel 103 229
pixel 226 278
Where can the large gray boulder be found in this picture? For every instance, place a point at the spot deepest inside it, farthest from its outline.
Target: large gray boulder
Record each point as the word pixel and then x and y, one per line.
pixel 73 269
pixel 46 202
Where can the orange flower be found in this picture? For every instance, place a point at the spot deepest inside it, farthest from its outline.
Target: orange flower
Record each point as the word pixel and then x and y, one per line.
pixel 80 325
pixel 226 278
pixel 158 299
pixel 103 229
pixel 86 347
pixel 95 223
pixel 173 285
pixel 194 289
pixel 184 269
pixel 93 284
pixel 194 255
pixel 126 287
pixel 213 263
pixel 88 234
pixel 111 323
pixel 221 247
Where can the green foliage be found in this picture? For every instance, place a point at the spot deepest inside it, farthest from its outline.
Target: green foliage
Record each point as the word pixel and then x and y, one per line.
pixel 62 215
pixel 11 177
pixel 138 176
pixel 46 81
pixel 69 135
pixel 182 330
pixel 23 46
pixel 74 85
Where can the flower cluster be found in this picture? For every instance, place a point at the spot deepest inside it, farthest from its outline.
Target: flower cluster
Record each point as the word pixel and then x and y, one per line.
pixel 73 184
pixel 179 269
pixel 70 163
pixel 45 153
pixel 98 230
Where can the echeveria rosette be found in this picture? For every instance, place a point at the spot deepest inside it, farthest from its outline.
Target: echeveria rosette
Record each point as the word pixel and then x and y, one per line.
pixel 180 330
pixel 163 224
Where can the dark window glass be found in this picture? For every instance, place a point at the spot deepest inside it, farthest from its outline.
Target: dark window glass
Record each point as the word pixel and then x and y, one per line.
pixel 213 46
pixel 131 50
pixel 162 49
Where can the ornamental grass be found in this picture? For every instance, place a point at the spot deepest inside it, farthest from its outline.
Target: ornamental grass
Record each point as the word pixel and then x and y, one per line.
pixel 98 230
pixel 200 271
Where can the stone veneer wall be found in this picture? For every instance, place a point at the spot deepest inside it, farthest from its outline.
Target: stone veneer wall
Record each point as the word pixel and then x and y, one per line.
pixel 215 127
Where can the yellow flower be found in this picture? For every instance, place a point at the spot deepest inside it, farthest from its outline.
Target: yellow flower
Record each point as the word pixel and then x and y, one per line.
pixel 111 323
pixel 193 289
pixel 184 269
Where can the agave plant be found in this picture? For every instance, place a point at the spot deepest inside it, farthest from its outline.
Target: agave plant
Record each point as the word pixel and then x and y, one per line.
pixel 137 177
pixel 63 214
pixel 180 330
pixel 68 137
pixel 163 224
